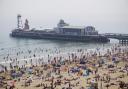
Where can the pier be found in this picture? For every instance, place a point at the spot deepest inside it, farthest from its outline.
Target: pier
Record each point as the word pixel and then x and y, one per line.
pixel 62 31
pixel 123 38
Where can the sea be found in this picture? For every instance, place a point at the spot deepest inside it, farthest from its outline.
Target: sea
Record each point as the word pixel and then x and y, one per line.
pixel 19 48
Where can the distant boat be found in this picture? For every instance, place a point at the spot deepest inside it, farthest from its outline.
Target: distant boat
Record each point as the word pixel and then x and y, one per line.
pixel 63 31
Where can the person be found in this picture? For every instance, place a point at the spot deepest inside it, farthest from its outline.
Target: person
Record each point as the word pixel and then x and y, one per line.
pixel 107 86
pixel 121 84
pixel 101 85
pixel 82 88
pixel 5 69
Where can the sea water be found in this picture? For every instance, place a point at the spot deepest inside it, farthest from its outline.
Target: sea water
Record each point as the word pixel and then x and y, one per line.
pixel 18 48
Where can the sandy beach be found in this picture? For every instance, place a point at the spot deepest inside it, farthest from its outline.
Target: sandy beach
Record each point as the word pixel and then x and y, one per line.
pixel 78 70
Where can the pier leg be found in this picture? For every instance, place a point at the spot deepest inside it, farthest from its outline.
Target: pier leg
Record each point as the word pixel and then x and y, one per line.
pixel 121 41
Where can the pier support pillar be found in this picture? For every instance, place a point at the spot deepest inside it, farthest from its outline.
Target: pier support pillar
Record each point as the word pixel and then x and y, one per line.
pixel 123 41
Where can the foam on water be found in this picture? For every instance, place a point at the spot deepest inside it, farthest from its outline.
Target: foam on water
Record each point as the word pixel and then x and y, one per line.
pixel 63 53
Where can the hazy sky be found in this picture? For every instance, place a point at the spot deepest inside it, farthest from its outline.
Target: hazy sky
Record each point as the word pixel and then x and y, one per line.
pixel 105 15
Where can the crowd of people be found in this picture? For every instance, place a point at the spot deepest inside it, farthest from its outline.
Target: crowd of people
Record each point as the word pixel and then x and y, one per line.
pixel 81 69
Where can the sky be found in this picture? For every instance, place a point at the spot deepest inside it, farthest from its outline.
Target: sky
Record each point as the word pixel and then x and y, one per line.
pixel 105 15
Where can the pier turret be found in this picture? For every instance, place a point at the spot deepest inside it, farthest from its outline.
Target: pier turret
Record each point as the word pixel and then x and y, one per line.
pixel 26 25
pixel 19 22
pixel 62 23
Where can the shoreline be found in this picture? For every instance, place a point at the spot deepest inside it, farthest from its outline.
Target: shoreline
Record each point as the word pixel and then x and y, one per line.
pixel 44 55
